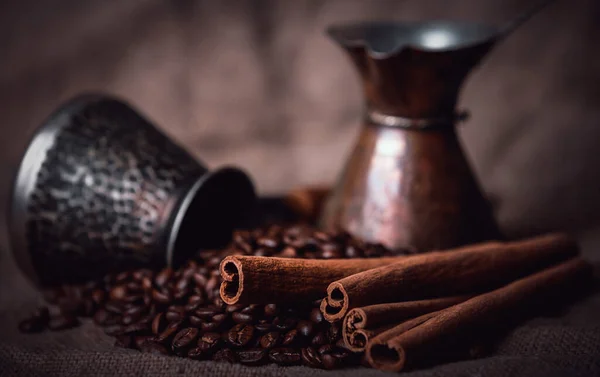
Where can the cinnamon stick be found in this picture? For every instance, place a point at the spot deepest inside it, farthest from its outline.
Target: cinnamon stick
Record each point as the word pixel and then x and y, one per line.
pixel 414 340
pixel 256 280
pixel 361 324
pixel 475 268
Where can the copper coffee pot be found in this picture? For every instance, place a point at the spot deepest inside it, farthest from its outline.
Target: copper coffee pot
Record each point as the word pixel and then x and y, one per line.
pixel 407 182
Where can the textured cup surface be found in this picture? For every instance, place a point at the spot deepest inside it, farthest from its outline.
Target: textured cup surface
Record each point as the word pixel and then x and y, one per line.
pixel 100 188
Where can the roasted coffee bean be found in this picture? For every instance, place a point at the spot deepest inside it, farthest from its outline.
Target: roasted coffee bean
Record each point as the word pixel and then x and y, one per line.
pixel 252 356
pixel 285 356
pixel 63 322
pixel 199 279
pixel 154 348
pixel 267 242
pixel 147 319
pixel 240 335
pixel 147 299
pixel 146 283
pixel 197 353
pixel 322 236
pixel 161 297
pixel 207 312
pixel 319 339
pixel 331 253
pixel 195 321
pixel 134 298
pixel 198 291
pixel 288 252
pixel 214 262
pixel 184 338
pixel 209 342
pixel 239 317
pixel 340 353
pixel 311 358
pixel 168 332
pixel 122 276
pixel 135 310
pixel 316 316
pixel 330 361
pixel 193 303
pixel 138 327
pixel 218 302
pixel 271 310
pixel 261 252
pixel 290 337
pixel 225 355
pixel 159 323
pixel 31 325
pixel 262 327
pixel 285 324
pixel 240 236
pixel 163 277
pixel 133 287
pixel 174 316
pixel 118 293
pixel 270 340
pixel 209 326
pixel 326 348
pixel 353 252
pixel 182 283
pixel 219 318
pixel 141 274
pixel 305 328
pixel 114 307
pixel 212 284
pixel 340 343
pixel 250 309
pixel 234 308
pixel 131 315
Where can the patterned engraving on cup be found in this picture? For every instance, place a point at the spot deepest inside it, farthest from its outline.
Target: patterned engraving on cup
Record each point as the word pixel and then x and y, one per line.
pixel 101 191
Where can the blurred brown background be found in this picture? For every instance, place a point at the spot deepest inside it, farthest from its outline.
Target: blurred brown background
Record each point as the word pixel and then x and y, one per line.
pixel 257 84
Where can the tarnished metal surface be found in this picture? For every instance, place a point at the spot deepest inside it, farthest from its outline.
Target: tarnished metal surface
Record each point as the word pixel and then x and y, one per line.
pixel 407 181
pixel 101 189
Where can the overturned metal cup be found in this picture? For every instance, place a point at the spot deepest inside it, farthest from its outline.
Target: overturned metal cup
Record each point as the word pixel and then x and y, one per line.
pixel 101 189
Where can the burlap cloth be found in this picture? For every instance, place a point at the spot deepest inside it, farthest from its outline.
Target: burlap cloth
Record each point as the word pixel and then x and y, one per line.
pixel 563 344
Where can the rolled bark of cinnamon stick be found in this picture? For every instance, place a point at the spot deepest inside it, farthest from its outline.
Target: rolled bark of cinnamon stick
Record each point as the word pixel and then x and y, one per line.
pixel 470 269
pixel 415 339
pixel 263 280
pixel 361 324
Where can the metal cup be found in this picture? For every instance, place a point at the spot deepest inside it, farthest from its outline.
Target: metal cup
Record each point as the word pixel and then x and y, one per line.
pixel 100 189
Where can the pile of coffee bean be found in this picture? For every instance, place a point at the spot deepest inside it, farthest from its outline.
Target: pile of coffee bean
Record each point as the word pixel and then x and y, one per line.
pixel 179 311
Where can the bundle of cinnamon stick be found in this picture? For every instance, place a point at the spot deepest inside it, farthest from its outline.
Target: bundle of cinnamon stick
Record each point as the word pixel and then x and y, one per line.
pixel 398 310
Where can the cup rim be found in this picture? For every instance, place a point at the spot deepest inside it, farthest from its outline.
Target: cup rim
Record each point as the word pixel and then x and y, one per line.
pixel 238 180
